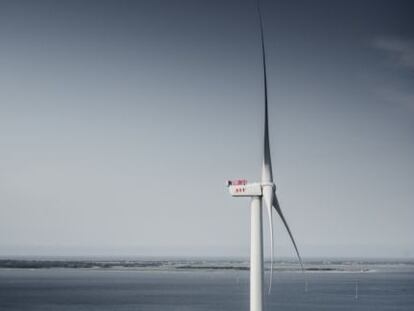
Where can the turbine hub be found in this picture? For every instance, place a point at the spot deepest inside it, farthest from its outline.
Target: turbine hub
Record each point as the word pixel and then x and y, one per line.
pixel 269 184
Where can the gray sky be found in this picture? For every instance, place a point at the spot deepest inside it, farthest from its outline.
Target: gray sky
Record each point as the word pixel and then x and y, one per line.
pixel 121 120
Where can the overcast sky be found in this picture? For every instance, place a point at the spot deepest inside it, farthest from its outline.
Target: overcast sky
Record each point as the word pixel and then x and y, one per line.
pixel 121 120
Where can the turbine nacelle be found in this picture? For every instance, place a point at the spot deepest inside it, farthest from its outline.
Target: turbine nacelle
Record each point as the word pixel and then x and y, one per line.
pixel 241 188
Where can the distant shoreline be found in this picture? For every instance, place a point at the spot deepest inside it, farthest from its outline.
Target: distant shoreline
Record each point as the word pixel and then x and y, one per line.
pixel 200 265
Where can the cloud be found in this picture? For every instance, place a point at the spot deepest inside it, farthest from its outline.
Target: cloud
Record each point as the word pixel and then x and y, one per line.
pixel 396 86
pixel 396 95
pixel 401 50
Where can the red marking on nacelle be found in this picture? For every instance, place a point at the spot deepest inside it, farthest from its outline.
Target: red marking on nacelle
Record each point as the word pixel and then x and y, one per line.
pixel 238 182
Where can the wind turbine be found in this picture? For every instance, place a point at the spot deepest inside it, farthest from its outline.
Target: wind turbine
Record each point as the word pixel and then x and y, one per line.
pixel 261 193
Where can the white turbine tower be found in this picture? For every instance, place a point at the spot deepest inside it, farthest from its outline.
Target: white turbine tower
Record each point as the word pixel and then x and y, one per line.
pixel 263 192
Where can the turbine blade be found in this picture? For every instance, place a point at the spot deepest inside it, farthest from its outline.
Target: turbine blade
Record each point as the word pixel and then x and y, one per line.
pixel 267 162
pixel 279 211
pixel 268 199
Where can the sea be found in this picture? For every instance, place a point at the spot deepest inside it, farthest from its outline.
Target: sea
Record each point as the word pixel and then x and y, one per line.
pixel 202 284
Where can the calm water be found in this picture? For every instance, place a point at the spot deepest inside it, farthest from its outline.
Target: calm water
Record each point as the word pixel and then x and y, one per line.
pixel 88 289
